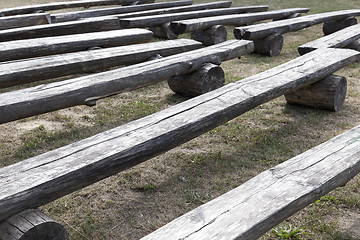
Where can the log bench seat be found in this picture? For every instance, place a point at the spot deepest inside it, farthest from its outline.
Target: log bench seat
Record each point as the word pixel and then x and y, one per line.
pixel 36 181
pixel 268 36
pixel 24 20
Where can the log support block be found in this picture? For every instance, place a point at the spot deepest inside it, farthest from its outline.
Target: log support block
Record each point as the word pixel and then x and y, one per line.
pixel 214 35
pixel 355 45
pixel 328 93
pixel 270 45
pixel 209 77
pixel 334 26
pixel 32 224
pixel 164 31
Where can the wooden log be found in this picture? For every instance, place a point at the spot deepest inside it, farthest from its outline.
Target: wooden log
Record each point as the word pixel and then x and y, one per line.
pixel 163 31
pixel 209 77
pixel 328 93
pixel 333 26
pixel 59 29
pixel 201 23
pixel 32 224
pixel 214 35
pixel 157 20
pixel 355 45
pixel 24 20
pixel 64 5
pixel 255 207
pixel 72 16
pixel 88 89
pixel 37 69
pixel 270 46
pixel 263 30
pixel 37 47
pixel 41 179
pixel 339 39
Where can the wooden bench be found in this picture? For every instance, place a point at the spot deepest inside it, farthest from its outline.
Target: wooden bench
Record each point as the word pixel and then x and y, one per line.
pixel 268 36
pixel 44 178
pixel 24 20
pixel 255 207
pixel 36 47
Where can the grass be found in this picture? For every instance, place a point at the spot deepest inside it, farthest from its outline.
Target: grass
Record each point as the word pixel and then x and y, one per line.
pixel 135 202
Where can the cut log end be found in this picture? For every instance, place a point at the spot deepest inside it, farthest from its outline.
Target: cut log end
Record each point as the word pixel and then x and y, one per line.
pixel 207 78
pixel 328 93
pixel 270 46
pixel 164 31
pixel 334 26
pixel 214 35
pixel 32 224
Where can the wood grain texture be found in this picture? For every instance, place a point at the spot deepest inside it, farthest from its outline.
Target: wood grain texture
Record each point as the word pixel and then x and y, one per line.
pixel 263 30
pixel 24 20
pixel 339 39
pixel 88 89
pixel 37 69
pixel 250 210
pixel 64 5
pixel 214 35
pixel 201 23
pixel 59 29
pixel 334 26
pixel 72 16
pixel 37 47
pixel 39 180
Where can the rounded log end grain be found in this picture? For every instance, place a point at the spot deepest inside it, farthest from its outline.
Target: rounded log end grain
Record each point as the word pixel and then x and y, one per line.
pixel 32 224
pixel 214 35
pixel 334 26
pixel 270 46
pixel 209 77
pixel 328 93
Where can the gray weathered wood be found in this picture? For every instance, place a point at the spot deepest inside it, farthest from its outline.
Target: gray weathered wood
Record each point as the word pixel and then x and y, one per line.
pixel 36 47
pixel 58 29
pixel 270 45
pixel 214 35
pixel 263 30
pixel 339 39
pixel 32 224
pixel 328 93
pixel 163 31
pixel 36 69
pixel 72 16
pixel 88 89
pixel 250 210
pixel 201 23
pixel 41 179
pixel 157 20
pixel 209 77
pixel 63 5
pixel 24 20
pixel 333 26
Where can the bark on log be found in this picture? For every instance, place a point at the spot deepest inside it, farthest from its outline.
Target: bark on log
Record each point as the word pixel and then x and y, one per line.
pixel 25 185
pixel 333 26
pixel 37 47
pixel 24 20
pixel 214 35
pixel 328 93
pixel 32 224
pixel 87 89
pixel 263 30
pixel 163 31
pixel 255 207
pixel 270 46
pixel 59 29
pixel 209 77
pixel 202 23
pixel 64 5
pixel 72 16
pixel 37 69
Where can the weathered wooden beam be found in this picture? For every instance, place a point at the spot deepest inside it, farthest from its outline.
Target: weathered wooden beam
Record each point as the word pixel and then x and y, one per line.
pixel 214 35
pixel 339 39
pixel 72 16
pixel 32 224
pixel 201 23
pixel 24 20
pixel 263 30
pixel 44 178
pixel 333 26
pixel 63 5
pixel 250 210
pixel 37 69
pixel 88 89
pixel 36 47
pixel 270 45
pixel 328 93
pixel 58 29
pixel 157 20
